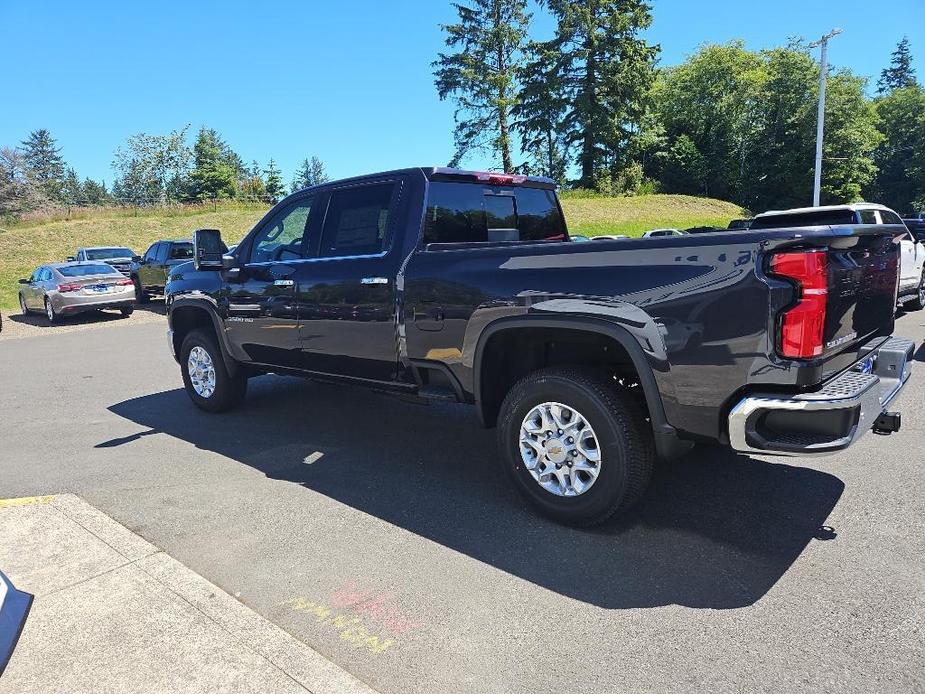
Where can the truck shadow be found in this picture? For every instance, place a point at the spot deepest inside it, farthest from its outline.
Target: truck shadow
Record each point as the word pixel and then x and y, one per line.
pixel 717 530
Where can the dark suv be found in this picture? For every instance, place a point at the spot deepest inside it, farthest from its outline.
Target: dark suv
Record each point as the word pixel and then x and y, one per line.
pixel 149 272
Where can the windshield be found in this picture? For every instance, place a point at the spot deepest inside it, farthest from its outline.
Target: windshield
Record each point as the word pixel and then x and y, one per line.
pixel 104 253
pixel 86 270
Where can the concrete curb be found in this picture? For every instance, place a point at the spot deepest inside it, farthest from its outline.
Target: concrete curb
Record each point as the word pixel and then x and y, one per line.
pixel 243 627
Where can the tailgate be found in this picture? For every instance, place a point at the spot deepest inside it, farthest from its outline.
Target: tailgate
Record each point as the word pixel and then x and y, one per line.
pixel 862 289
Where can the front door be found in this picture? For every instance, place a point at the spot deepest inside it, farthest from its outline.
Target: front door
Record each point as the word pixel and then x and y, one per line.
pixel 346 292
pixel 153 259
pixel 262 314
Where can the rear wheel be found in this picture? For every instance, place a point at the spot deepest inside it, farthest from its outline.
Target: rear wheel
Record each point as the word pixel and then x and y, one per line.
pixel 577 447
pixel 50 312
pixel 140 296
pixel 918 303
pixel 127 311
pixel 208 383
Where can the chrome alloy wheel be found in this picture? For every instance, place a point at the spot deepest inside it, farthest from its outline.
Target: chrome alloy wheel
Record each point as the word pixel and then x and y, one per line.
pixel 560 449
pixel 201 372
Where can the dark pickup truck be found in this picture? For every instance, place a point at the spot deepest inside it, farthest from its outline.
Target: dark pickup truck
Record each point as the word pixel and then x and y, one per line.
pixel 591 359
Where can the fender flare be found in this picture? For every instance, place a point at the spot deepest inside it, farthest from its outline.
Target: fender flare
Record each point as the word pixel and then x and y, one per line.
pixel 667 443
pixel 207 306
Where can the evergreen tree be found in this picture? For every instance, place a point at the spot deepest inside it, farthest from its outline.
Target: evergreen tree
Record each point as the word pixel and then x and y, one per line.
pixel 539 112
pixel 900 73
pixel 95 193
pixel 44 162
pixel 274 183
pixel 310 173
pixel 71 189
pixel 216 168
pixel 153 168
pixel 605 71
pixel 481 73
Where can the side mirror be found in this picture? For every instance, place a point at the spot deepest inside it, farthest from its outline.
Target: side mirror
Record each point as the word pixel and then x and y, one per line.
pixel 208 249
pixel 137 259
pixel 22 281
pixel 229 262
pixel 71 259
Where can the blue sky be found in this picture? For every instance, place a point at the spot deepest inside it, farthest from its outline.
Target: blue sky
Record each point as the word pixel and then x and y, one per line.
pixel 349 81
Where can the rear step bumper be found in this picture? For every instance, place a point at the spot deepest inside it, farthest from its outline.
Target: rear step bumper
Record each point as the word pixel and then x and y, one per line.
pixel 829 419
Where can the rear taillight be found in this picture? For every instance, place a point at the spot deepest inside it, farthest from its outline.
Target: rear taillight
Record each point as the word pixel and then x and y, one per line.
pixel 64 288
pixel 802 326
pixel 124 283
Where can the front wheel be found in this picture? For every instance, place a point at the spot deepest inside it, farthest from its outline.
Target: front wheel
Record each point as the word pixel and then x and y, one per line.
pixel 208 383
pixel 577 448
pixel 140 296
pixel 22 306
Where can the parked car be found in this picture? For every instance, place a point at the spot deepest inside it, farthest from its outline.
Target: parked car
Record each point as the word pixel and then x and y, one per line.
pixel 702 230
pixel 911 292
pixel 149 272
pixel 654 233
pixel 609 237
pixel 119 257
pixel 591 359
pixel 65 289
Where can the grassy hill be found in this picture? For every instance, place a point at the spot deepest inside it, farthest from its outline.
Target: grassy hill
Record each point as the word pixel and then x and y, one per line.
pixel 23 246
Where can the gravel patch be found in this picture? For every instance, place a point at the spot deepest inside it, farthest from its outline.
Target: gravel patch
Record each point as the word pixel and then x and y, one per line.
pixel 17 325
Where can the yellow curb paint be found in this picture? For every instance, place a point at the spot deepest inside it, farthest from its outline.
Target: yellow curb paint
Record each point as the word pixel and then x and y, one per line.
pixel 26 501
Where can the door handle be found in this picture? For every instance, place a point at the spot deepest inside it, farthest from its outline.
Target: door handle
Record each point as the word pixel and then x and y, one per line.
pixel 374 280
pixel 283 283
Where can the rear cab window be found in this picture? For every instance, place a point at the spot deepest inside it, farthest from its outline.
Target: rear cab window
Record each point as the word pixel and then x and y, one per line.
pixel 476 213
pixel 181 251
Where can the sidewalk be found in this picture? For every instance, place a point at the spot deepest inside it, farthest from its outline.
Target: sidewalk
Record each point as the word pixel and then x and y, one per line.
pixel 112 613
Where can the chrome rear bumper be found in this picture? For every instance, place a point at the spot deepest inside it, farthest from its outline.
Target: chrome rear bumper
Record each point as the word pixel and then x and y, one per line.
pixel 826 420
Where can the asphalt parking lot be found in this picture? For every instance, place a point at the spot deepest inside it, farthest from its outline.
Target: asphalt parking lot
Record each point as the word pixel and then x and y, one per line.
pixel 330 510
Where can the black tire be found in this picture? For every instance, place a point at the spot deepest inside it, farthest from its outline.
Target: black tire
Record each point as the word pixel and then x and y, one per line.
pixel 126 311
pixel 22 306
pixel 141 296
pixel 918 303
pixel 50 314
pixel 624 439
pixel 229 390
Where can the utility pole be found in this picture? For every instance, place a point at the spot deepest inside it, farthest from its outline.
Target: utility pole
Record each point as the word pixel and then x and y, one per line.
pixel 823 43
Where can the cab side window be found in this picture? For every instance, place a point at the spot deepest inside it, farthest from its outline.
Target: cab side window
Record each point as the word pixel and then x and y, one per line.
pixel 357 221
pixel 283 238
pixel 888 217
pixel 151 253
pixel 868 217
pixel 162 251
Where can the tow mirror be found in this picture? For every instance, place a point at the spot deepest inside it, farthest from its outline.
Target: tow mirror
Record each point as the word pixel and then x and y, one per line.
pixel 23 281
pixel 137 259
pixel 208 249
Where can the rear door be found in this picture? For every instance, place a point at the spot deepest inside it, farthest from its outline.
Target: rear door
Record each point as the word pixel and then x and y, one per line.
pixel 908 266
pixel 262 313
pixel 346 291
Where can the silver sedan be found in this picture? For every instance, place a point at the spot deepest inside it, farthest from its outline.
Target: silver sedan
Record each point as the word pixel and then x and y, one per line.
pixel 63 289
